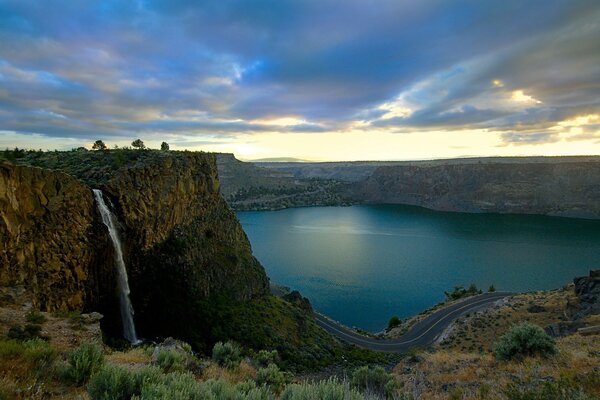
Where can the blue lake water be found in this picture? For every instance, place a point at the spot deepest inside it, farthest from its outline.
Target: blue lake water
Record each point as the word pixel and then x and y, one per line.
pixel 362 264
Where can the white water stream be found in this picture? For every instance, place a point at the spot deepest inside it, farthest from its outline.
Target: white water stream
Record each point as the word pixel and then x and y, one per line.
pixel 122 282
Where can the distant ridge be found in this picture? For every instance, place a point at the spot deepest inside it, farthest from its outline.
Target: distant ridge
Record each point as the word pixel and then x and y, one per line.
pixel 280 159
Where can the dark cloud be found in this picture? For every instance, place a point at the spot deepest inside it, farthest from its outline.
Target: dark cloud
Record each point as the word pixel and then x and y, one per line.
pixel 79 69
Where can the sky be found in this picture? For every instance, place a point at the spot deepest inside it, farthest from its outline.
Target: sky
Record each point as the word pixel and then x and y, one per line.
pixel 311 79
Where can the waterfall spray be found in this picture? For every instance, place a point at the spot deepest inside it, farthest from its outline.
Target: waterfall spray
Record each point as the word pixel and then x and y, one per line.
pixel 123 284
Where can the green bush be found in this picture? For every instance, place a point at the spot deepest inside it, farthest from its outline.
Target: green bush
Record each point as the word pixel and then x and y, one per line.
pixel 174 386
pixel 41 354
pixel 228 354
pixel 83 363
pixel 459 292
pixel 249 391
pixel 264 357
pixel 171 360
pixel 112 382
pixel 394 322
pixel 30 331
pixel 330 389
pixel 273 377
pixel 524 340
pixel 374 381
pixel 35 317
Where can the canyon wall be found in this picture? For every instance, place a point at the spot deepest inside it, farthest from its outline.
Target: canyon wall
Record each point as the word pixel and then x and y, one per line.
pixel 565 188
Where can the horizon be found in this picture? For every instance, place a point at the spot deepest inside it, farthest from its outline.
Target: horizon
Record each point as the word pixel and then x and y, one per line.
pixel 317 81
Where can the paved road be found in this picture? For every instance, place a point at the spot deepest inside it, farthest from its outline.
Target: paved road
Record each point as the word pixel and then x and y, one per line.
pixel 421 334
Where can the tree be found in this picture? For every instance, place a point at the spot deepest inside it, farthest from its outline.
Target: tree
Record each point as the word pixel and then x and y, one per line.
pixel 138 144
pixel 98 145
pixel 492 289
pixel 394 322
pixel 164 146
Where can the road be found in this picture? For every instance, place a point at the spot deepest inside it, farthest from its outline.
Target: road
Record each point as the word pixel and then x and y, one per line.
pixel 421 334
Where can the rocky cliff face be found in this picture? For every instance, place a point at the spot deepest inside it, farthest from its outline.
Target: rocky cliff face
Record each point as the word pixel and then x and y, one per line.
pixel 563 189
pixel 50 239
pixel 184 248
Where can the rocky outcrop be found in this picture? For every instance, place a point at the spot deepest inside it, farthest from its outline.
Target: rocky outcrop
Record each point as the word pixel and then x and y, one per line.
pixel 184 248
pixel 587 289
pixel 49 236
pixel 553 188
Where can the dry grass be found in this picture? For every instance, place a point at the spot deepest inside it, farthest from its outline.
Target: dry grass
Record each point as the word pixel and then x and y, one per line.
pixel 63 332
pixel 19 380
pixel 241 373
pixel 477 331
pixel 443 372
pixel 135 356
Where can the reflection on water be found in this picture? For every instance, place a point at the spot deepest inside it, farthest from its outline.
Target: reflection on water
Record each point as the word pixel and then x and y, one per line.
pixel 363 264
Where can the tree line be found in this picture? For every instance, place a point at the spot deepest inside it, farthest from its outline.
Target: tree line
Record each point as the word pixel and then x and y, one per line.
pixel 137 144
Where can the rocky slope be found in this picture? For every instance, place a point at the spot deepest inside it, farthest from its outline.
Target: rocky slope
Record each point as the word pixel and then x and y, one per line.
pixel 184 248
pixel 246 186
pixel 567 188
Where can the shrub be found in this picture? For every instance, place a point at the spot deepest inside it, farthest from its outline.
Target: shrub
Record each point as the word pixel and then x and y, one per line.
pixel 394 322
pixel 264 357
pixel 249 391
pixel 171 360
pixel 35 317
pixel 330 389
pixel 174 386
pixel 374 381
pixel 40 353
pixel 492 289
pixel 524 340
pixel 273 377
pixel 459 292
pixel 31 331
pixel 112 382
pixel 227 354
pixel 83 363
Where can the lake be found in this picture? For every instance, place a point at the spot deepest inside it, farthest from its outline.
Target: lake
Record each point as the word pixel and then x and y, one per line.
pixel 362 264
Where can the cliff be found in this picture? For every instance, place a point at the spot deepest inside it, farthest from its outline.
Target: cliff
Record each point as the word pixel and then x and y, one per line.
pixel 50 238
pixel 567 188
pixel 184 248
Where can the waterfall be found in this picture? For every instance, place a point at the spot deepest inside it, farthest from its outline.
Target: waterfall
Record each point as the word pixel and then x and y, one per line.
pixel 122 282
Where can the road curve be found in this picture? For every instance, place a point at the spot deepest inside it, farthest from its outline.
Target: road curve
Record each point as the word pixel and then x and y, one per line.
pixel 422 334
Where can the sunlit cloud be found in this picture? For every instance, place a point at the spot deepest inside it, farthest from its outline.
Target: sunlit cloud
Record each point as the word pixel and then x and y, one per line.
pixel 521 97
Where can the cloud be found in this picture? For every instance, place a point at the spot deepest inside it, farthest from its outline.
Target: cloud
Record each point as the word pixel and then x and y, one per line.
pixel 518 138
pixel 115 68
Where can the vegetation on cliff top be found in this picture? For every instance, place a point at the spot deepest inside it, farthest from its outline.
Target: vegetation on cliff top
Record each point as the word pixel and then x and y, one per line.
pixel 91 167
